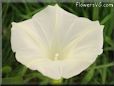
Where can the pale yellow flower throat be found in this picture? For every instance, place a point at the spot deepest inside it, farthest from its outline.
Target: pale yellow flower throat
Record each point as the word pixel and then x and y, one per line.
pixel 56 56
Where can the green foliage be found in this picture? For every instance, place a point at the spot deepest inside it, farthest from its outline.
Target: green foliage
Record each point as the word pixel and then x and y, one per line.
pixel 101 72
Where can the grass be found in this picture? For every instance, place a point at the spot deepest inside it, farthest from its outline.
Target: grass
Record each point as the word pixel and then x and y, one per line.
pixel 100 72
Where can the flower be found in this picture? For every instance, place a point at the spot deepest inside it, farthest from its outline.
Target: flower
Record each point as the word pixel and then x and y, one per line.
pixel 57 43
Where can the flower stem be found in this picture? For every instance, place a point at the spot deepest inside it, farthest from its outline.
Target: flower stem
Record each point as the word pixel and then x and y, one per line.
pixel 56 82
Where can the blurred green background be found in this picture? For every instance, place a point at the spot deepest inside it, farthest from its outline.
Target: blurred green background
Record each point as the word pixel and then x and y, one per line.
pixel 100 72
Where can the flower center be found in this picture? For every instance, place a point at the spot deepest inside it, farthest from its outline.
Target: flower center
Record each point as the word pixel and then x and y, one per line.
pixel 57 52
pixel 56 56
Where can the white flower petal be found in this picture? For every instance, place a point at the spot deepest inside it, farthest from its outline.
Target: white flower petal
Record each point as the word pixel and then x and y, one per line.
pixel 27 43
pixel 57 43
pixel 49 68
pixel 85 44
pixel 46 20
pixel 75 66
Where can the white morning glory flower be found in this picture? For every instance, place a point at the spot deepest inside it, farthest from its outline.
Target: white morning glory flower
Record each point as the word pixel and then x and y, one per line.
pixel 57 43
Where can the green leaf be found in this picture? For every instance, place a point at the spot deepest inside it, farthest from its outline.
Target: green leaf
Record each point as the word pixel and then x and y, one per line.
pixel 22 71
pixel 37 75
pixel 70 10
pixel 108 49
pixel 109 41
pixel 12 80
pixel 89 75
pixel 104 65
pixel 6 69
pixel 95 13
pixel 104 71
pixel 19 71
pixel 85 13
pixel 107 18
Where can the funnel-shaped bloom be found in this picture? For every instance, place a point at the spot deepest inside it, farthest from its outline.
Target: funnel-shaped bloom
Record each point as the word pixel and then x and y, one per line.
pixel 56 42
